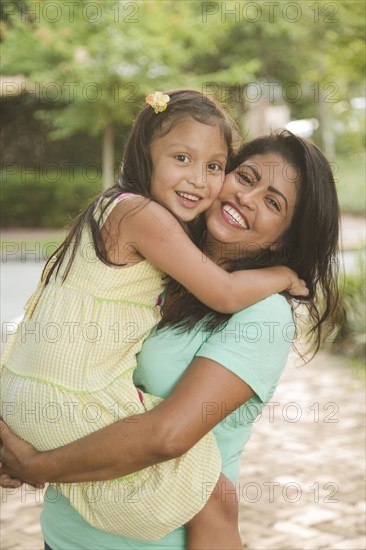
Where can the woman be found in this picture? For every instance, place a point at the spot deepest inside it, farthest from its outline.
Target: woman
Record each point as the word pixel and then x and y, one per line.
pixel 278 206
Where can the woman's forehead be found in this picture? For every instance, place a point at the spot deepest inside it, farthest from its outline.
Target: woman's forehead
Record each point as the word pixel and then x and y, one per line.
pixel 272 165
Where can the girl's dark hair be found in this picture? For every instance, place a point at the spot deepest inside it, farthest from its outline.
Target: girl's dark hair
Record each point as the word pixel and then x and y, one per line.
pixel 136 166
pixel 309 246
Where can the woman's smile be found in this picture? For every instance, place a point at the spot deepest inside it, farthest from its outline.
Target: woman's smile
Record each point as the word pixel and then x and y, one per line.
pixel 255 205
pixel 233 215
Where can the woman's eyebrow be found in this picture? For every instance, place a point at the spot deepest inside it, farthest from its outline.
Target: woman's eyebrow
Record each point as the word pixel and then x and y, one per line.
pixel 255 172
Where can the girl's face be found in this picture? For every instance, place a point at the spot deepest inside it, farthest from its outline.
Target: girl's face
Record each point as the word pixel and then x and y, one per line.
pixel 254 208
pixel 188 168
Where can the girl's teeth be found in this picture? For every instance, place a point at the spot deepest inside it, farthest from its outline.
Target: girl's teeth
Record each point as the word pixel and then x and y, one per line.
pixel 234 214
pixel 188 196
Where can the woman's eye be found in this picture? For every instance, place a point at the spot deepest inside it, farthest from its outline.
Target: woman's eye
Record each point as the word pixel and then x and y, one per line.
pixel 274 203
pixel 182 158
pixel 215 167
pixel 242 177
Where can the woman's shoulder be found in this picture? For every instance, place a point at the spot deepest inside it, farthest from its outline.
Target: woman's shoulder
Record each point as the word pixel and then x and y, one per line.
pixel 275 307
pixel 265 322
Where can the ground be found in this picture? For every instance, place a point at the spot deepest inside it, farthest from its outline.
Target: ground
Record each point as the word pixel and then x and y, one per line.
pixel 303 478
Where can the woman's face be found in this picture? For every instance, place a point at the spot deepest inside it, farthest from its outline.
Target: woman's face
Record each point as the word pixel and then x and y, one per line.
pixel 254 208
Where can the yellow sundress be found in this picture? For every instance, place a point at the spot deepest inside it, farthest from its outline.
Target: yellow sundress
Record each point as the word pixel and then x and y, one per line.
pixel 68 372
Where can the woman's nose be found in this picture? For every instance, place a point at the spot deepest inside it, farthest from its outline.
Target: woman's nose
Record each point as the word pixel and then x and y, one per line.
pixel 247 198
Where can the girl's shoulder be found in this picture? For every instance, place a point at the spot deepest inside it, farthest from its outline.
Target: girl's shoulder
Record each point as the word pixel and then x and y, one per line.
pixel 115 208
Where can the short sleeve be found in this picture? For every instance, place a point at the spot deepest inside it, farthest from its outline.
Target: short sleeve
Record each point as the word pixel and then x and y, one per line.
pixel 255 344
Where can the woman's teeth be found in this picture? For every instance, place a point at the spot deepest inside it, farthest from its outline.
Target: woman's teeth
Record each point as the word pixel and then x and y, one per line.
pixel 188 196
pixel 235 216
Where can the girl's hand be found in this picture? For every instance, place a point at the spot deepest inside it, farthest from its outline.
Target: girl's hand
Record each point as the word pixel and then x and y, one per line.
pixel 297 287
pixel 9 482
pixel 16 458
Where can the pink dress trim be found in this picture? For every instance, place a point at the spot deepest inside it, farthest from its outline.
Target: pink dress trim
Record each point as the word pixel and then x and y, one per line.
pixel 124 195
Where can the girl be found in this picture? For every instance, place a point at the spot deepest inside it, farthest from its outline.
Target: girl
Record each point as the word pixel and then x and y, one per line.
pixel 74 355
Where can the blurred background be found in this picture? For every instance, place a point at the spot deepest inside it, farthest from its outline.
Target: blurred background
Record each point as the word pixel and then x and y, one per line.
pixel 74 75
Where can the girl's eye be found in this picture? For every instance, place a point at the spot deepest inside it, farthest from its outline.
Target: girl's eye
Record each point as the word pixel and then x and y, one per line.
pixel 245 178
pixel 215 167
pixel 182 158
pixel 274 203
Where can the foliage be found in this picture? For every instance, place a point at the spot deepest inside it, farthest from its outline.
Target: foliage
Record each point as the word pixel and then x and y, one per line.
pixel 106 56
pixel 96 61
pixel 49 200
pixel 101 70
pixel 349 173
pixel 351 336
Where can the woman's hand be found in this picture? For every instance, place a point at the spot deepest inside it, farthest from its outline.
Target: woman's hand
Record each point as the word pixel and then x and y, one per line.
pixel 16 457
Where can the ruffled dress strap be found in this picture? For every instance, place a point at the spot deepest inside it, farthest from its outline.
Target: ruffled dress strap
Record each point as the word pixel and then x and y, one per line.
pixel 101 213
pixel 124 196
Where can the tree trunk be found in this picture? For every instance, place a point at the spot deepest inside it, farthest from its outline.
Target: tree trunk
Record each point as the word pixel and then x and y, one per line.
pixel 108 155
pixel 326 125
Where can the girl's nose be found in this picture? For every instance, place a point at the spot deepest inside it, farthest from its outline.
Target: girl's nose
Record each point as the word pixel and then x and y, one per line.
pixel 198 177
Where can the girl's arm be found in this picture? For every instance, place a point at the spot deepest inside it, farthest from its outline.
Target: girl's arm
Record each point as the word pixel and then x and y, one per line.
pixel 157 236
pixel 205 395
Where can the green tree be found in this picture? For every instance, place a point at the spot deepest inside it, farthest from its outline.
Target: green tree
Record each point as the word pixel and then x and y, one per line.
pixel 97 60
pixel 317 46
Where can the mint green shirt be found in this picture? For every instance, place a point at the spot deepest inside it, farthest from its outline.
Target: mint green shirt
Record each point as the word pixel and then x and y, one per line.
pixel 254 345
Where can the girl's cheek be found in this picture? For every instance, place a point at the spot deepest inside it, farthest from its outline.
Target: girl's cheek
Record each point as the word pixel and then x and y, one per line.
pixel 229 182
pixel 215 189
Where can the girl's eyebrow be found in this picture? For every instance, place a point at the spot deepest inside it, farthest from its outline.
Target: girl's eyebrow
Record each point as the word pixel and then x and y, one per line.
pixel 270 188
pixel 179 145
pixel 189 147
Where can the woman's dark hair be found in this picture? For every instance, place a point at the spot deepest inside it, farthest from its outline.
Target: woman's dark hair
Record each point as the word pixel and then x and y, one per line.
pixel 136 166
pixel 309 246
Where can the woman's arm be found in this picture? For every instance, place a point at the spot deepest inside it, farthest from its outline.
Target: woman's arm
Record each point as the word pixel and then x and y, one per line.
pixel 247 356
pixel 156 235
pixel 205 395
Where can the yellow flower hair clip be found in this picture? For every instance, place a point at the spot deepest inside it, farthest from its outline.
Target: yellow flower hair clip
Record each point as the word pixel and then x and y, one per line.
pixel 158 101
